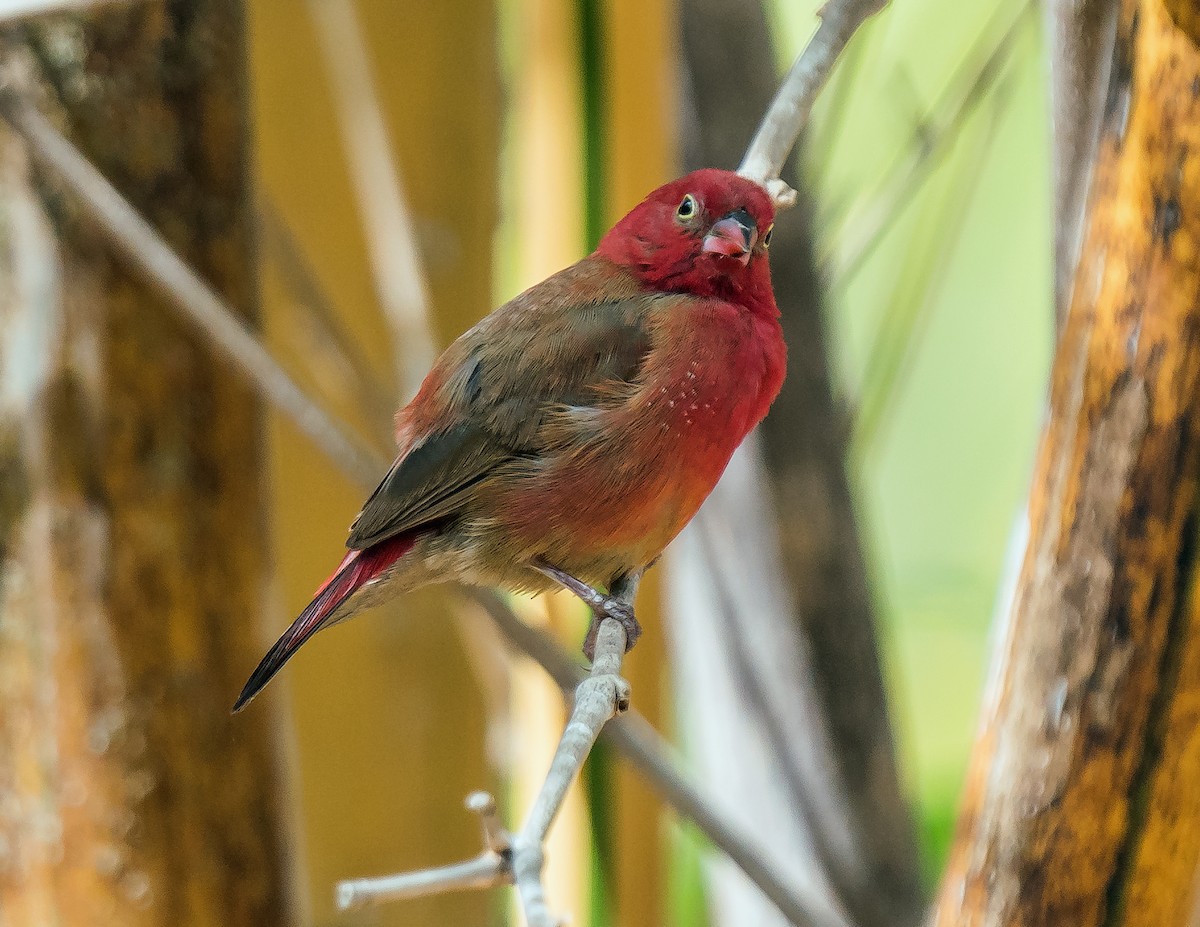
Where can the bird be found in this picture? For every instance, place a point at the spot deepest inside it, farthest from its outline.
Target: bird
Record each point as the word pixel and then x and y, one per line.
pixel 570 435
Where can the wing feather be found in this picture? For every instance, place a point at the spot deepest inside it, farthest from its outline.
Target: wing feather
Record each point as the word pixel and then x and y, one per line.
pixel 491 396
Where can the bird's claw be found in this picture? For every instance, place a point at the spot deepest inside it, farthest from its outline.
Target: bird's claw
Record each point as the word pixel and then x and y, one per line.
pixel 608 607
pixel 602 606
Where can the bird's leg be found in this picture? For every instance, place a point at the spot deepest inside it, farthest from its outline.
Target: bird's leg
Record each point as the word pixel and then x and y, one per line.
pixel 618 604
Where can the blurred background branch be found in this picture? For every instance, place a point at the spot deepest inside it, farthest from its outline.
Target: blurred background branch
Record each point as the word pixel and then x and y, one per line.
pixel 151 256
pixel 392 243
pixel 1079 42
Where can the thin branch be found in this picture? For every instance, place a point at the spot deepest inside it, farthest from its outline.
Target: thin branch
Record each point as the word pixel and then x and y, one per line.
pixel 146 250
pixel 645 749
pixel 639 743
pixel 789 111
pixel 391 241
pixel 489 869
pixel 321 329
pixel 519 858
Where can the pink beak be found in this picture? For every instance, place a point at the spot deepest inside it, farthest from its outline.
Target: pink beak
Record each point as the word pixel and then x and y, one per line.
pixel 734 236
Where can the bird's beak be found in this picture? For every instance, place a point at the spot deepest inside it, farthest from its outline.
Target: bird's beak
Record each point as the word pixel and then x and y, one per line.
pixel 734 236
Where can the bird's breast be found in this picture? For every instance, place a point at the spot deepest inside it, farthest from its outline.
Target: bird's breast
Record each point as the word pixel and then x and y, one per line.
pixel 621 482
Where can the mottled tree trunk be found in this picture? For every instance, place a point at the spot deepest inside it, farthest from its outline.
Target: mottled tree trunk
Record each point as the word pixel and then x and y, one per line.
pixel 1082 806
pixel 807 675
pixel 131 514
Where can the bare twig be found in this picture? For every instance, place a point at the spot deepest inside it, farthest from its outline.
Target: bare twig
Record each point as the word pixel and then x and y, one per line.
pixel 637 741
pixel 789 111
pixel 649 754
pixel 519 858
pixel 490 868
pixel 391 242
pixel 146 250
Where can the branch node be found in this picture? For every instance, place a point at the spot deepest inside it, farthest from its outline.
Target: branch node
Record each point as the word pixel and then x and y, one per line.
pixel 495 837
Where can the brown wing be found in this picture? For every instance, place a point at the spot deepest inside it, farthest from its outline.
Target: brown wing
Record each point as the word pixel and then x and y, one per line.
pixel 427 484
pixel 551 348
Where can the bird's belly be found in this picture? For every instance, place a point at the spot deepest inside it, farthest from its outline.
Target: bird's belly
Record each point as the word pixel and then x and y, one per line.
pixel 613 502
pixel 612 486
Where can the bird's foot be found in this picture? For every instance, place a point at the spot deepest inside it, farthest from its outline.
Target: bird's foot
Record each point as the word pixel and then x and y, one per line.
pixel 611 608
pixel 618 605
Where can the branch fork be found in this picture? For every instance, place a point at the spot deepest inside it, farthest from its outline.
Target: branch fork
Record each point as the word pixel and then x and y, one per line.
pixel 517 859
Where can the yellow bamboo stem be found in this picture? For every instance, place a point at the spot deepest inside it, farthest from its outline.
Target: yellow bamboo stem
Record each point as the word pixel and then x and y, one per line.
pixel 380 781
pixel 641 153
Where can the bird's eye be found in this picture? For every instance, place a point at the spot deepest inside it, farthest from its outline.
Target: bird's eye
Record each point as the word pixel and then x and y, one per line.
pixel 687 208
pixel 766 239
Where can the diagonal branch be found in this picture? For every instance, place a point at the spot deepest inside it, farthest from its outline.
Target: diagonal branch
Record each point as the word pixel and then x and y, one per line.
pixel 642 746
pixel 320 336
pixel 391 240
pixel 789 111
pixel 146 250
pixel 853 235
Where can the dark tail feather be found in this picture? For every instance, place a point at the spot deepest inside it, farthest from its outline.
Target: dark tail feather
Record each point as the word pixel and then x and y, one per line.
pixel 359 568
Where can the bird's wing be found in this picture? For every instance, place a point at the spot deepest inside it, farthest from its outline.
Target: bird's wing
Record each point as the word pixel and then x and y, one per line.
pixel 560 346
pixel 426 484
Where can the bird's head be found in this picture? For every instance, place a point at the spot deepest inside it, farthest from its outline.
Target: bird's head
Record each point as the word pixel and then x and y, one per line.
pixel 706 233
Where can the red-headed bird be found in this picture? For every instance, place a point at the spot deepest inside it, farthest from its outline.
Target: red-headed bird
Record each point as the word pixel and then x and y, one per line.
pixel 573 432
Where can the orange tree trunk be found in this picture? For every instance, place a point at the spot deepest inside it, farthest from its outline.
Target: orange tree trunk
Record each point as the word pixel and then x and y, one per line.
pixel 131 520
pixel 1081 803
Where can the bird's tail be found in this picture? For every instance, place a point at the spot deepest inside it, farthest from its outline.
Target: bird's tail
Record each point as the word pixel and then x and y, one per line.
pixel 356 570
